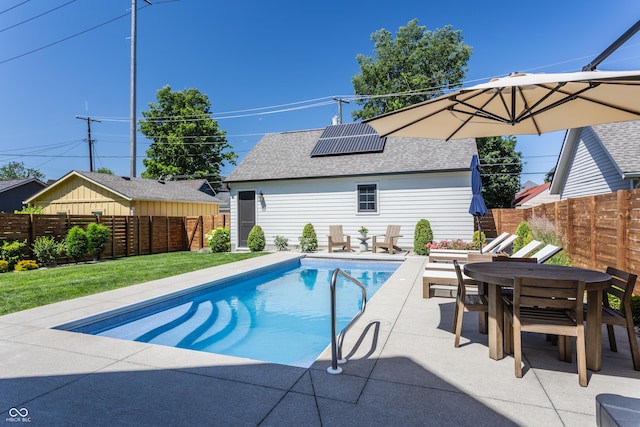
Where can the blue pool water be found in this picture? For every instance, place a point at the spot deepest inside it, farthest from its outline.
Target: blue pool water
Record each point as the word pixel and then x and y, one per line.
pixel 280 314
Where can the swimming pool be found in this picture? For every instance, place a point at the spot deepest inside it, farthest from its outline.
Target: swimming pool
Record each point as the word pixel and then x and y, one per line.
pixel 279 314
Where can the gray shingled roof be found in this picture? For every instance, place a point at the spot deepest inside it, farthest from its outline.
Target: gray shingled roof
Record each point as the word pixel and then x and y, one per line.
pixel 622 141
pixel 287 156
pixel 8 184
pixel 146 189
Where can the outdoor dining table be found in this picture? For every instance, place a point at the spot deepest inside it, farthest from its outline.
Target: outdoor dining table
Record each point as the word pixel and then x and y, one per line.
pixel 496 275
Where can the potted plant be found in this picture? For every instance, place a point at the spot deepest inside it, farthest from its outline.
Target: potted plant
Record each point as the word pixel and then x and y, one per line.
pixel 363 231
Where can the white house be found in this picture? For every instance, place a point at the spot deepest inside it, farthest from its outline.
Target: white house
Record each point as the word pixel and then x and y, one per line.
pixel 346 174
pixel 598 159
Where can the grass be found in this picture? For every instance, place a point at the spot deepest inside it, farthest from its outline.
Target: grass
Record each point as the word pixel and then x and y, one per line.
pixel 22 290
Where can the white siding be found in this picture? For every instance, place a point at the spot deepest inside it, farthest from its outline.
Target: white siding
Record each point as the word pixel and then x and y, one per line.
pixel 441 198
pixel 591 170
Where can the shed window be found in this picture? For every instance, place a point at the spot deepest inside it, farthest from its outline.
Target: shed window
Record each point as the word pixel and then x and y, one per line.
pixel 367 198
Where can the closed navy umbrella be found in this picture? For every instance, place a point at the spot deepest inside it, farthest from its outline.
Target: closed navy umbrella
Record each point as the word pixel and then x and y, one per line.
pixel 477 208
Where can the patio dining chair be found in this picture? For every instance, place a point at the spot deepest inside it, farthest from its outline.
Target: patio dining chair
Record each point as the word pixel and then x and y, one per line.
pixel 622 284
pixel 548 306
pixel 390 241
pixel 338 239
pixel 466 301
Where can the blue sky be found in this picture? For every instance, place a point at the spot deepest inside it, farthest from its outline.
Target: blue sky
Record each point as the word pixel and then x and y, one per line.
pixel 265 66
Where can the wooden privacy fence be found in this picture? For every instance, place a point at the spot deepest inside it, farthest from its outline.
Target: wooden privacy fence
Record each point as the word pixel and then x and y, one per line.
pixel 596 231
pixel 130 235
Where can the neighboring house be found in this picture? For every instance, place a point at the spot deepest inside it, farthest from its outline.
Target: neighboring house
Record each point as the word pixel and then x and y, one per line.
pixel 14 191
pixel 534 195
pixel 347 175
pixel 597 160
pixel 86 193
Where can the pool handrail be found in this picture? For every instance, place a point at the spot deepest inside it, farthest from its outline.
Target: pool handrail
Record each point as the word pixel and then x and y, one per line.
pixel 337 340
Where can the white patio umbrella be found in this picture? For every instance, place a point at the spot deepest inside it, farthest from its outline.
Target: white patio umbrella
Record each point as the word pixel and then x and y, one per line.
pixel 520 104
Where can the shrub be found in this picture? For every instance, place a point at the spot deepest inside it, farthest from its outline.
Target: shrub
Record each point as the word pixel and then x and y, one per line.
pixel 421 236
pixel 615 303
pixel 309 239
pixel 47 250
pixel 479 239
pixel 545 231
pixel 76 243
pixel 525 236
pixel 4 266
pixel 452 244
pixel 635 309
pixel 281 243
pixel 219 240
pixel 12 252
pixel 30 210
pixel 26 264
pixel 98 236
pixel 256 240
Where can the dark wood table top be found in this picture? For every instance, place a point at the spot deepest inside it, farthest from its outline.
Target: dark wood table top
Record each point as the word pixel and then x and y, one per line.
pixel 503 273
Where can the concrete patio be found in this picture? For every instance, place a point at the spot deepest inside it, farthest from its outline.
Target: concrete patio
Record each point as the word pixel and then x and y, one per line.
pixel 402 370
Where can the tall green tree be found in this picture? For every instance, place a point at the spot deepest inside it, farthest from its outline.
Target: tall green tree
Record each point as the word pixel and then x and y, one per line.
pixel 418 62
pixel 186 140
pixel 501 166
pixel 17 170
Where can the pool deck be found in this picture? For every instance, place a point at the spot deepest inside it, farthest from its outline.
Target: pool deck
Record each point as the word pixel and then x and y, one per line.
pixel 403 370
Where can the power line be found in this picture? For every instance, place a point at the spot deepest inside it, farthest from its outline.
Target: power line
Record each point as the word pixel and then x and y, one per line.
pixel 13 7
pixel 37 16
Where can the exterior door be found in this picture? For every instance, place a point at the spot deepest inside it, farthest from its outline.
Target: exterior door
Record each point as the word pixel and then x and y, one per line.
pixel 246 215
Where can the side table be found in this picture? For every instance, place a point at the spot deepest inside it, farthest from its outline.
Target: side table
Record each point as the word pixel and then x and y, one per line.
pixel 364 246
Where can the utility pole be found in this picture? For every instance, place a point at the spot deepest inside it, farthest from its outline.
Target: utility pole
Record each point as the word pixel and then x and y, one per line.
pixel 340 101
pixel 132 94
pixel 89 140
pixel 132 104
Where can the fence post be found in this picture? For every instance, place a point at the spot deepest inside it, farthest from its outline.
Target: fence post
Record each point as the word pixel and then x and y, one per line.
pixel 621 232
pixel 592 231
pixel 570 233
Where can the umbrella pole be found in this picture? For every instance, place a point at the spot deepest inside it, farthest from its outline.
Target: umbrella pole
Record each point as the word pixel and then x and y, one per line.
pixel 479 233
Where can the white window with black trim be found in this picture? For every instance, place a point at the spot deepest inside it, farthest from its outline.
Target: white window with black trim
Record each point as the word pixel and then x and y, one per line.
pixel 367 198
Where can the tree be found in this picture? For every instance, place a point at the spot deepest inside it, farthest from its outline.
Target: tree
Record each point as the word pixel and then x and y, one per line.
pixel 17 170
pixel 419 63
pixel 501 167
pixel 186 140
pixel 105 170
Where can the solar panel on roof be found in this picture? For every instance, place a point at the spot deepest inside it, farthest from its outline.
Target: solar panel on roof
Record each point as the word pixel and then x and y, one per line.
pixel 350 138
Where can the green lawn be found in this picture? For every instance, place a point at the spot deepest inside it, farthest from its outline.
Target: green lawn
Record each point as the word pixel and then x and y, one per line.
pixel 27 289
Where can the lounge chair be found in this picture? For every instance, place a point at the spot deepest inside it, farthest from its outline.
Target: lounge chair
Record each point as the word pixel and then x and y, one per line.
pixel 338 239
pixel 526 250
pixel 504 245
pixel 390 241
pixel 546 253
pixel 495 242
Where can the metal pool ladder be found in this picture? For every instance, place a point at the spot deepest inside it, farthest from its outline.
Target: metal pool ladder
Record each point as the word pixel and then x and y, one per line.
pixel 337 340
